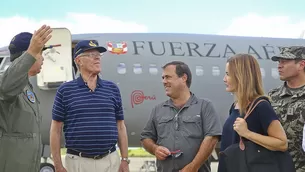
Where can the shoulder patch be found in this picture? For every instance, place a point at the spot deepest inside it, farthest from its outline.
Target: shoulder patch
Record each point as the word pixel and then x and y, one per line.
pixel 30 95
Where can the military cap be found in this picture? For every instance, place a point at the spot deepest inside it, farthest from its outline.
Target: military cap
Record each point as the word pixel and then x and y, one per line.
pixel 290 53
pixel 19 44
pixel 85 45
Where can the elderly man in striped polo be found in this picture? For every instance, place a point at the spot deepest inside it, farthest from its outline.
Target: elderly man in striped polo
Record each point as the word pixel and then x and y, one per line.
pixel 90 111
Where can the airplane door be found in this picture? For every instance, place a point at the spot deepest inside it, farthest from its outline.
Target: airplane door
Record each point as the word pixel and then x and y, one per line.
pixel 57 64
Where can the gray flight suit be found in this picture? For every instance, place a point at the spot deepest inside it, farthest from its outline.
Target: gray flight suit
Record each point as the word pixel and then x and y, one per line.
pixel 20 137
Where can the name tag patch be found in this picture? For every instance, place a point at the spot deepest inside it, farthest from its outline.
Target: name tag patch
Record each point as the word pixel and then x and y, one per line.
pixel 290 111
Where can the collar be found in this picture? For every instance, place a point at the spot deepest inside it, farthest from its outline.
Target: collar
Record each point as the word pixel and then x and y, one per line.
pixel 82 83
pixel 192 100
pixel 286 91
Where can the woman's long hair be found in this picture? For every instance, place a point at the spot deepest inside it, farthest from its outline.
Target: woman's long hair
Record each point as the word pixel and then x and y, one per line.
pixel 246 78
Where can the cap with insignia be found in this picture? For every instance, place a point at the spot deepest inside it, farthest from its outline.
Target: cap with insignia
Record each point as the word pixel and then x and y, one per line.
pixel 19 44
pixel 85 45
pixel 290 53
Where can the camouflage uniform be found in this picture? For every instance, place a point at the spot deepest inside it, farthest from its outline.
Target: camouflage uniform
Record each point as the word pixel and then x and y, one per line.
pixel 289 105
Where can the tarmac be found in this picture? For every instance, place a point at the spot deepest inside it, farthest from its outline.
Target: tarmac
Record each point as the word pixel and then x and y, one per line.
pixel 137 164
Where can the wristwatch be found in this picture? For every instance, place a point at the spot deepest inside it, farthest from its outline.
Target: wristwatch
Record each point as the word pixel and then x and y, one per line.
pixel 126 159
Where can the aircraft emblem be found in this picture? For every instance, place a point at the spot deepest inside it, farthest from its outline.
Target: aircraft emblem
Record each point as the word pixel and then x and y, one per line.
pixel 92 44
pixel 137 97
pixel 30 95
pixel 117 48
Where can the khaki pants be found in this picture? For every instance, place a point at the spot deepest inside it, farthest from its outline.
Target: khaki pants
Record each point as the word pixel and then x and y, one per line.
pixel 109 163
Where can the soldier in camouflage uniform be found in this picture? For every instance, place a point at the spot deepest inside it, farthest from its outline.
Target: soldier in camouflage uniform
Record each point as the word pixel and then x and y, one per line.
pixel 288 100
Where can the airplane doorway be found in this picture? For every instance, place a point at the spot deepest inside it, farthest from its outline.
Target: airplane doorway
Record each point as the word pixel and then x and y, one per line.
pixel 75 70
pixel 57 67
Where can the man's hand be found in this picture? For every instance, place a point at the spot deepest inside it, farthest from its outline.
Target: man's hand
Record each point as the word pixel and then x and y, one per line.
pixel 39 39
pixel 189 168
pixel 60 169
pixel 161 152
pixel 124 167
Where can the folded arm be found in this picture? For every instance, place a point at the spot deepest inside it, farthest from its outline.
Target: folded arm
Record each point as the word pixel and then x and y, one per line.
pixel 276 139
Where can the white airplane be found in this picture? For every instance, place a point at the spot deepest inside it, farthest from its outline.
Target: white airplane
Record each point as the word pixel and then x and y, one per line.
pixel 134 62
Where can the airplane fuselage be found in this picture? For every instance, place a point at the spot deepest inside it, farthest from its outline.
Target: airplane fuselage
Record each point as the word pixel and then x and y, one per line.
pixel 138 71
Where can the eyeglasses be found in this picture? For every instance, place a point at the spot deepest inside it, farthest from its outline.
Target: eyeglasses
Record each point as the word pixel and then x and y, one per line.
pixel 92 55
pixel 175 154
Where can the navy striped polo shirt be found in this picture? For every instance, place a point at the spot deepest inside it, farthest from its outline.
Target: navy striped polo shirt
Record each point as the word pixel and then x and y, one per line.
pixel 89 116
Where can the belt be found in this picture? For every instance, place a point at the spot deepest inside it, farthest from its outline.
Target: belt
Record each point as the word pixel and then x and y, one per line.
pixel 80 154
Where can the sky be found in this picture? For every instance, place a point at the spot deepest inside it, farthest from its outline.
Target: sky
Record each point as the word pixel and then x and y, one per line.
pixel 262 18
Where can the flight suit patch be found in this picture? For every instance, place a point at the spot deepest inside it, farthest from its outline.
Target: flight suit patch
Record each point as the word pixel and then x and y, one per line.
pixel 30 95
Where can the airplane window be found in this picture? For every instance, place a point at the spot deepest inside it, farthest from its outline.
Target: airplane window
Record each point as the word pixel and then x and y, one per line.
pixel 137 68
pixel 216 71
pixel 121 68
pixel 263 72
pixel 199 70
pixel 275 73
pixel 153 69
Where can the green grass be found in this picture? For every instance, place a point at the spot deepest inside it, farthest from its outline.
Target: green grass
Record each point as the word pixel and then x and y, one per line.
pixel 63 151
pixel 139 152
pixel 135 152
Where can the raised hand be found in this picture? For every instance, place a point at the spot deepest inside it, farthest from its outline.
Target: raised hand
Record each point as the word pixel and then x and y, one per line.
pixel 39 39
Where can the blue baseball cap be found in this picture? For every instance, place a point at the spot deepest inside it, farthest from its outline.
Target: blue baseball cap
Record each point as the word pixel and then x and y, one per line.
pixel 19 44
pixel 85 45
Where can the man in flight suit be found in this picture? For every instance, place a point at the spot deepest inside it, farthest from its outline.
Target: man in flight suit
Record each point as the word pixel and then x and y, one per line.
pixel 20 137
